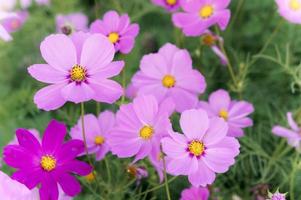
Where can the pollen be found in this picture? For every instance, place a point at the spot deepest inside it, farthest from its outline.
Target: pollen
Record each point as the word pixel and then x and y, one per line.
pixel 223 114
pixel 209 40
pixel 99 140
pixel 91 177
pixel 295 5
pixel 78 73
pixel 113 37
pixel 206 11
pixel 168 81
pixel 171 2
pixel 196 148
pixel 48 163
pixel 146 132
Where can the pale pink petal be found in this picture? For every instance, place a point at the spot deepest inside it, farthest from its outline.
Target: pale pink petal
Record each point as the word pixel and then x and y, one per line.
pixel 292 122
pixel 111 70
pixel 203 176
pixel 217 131
pixel 183 99
pixel 146 109
pixel 78 93
pixel 219 100
pixel 47 74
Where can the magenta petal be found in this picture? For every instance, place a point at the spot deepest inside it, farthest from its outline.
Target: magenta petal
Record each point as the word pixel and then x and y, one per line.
pixel 28 141
pixel 47 74
pixel 69 185
pixel 49 189
pixel 31 178
pixel 78 167
pixel 70 150
pixel 107 91
pixel 146 108
pixel 223 19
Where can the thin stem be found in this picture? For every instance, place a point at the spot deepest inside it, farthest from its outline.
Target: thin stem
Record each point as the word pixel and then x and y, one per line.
pixel 98 109
pixel 166 180
pixel 82 108
pixel 292 177
pixel 96 9
pixel 117 5
pixel 237 11
pixel 108 170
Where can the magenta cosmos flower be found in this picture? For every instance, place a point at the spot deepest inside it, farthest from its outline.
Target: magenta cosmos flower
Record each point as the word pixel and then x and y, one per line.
pixel 139 127
pixel 71 23
pixel 234 113
pixel 203 150
pixel 49 163
pixel 292 135
pixel 97 131
pixel 199 15
pixel 290 10
pixel 169 73
pixel 195 193
pixel 78 70
pixel 118 30
pixel 169 5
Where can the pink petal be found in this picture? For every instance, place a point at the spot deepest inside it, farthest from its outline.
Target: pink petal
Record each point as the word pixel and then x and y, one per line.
pixel 292 122
pixel 99 26
pixel 79 39
pixel 131 31
pixel 219 100
pixel 182 165
pixel 154 66
pixel 111 70
pixel 217 131
pixel 144 151
pixel 192 81
pixel 106 121
pixel 111 19
pixel 183 99
pixel 126 44
pixel 284 132
pixel 124 22
pixel 78 92
pixel 223 18
pixel 203 176
pixel 168 51
pixel 240 109
pixel 173 148
pixel 146 109
pixel 47 74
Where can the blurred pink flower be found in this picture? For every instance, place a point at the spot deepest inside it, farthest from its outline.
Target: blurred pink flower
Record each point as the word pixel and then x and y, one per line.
pixel 139 127
pixel 78 70
pixel 4 34
pixel 234 113
pixel 118 30
pixel 71 23
pixel 97 131
pixel 292 135
pixel 169 5
pixel 276 196
pixel 7 5
pixel 203 150
pixel 195 193
pixel 137 172
pixel 290 10
pixel 14 23
pixel 199 15
pixel 169 74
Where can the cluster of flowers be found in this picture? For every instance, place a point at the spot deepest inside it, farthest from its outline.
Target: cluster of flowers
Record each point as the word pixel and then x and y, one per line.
pixel 80 65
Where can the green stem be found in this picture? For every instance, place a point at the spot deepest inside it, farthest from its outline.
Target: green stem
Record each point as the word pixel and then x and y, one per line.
pixel 292 177
pixel 108 170
pixel 117 5
pixel 98 109
pixel 166 180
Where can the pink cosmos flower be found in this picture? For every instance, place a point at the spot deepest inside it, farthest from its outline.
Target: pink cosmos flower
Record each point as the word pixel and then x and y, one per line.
pixel 14 23
pixel 78 70
pixel 169 74
pixel 195 193
pixel 234 113
pixel 199 15
pixel 169 5
pixel 49 163
pixel 4 34
pixel 97 131
pixel 202 151
pixel 137 172
pixel 71 23
pixel 276 196
pixel 139 127
pixel 290 10
pixel 156 160
pixel 118 30
pixel 292 135
pixel 131 91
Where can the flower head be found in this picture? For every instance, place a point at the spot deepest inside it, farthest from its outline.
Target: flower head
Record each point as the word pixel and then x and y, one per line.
pixel 71 23
pixel 234 113
pixel 199 15
pixel 118 30
pixel 203 149
pixel 97 131
pixel 277 196
pixel 192 193
pixel 169 5
pixel 290 10
pixel 49 163
pixel 14 23
pixel 78 70
pixel 169 74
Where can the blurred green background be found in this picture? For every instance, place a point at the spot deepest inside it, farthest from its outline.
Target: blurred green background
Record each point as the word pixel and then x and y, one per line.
pixel 264 51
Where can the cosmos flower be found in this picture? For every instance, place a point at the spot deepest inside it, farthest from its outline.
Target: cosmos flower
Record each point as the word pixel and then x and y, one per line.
pixel 169 5
pixel 97 130
pixel 118 30
pixel 4 34
pixel 14 23
pixel 199 15
pixel 156 159
pixel 49 163
pixel 139 127
pixel 34 132
pixel 71 23
pixel 234 113
pixel 202 151
pixel 276 196
pixel 78 69
pixel 292 135
pixel 169 74
pixel 137 172
pixel 194 193
pixel 290 10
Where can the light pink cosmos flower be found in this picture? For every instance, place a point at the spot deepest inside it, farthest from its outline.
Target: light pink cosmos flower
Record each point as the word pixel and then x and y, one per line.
pixel 78 69
pixel 169 5
pixel 14 23
pixel 195 193
pixel 276 196
pixel 292 135
pixel 290 10
pixel 71 23
pixel 199 15
pixel 118 30
pixel 234 113
pixel 169 73
pixel 4 34
pixel 139 127
pixel 203 150
pixel 97 131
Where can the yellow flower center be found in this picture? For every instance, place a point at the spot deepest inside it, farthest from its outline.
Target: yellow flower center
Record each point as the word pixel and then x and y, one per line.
pixel 171 2
pixel 209 40
pixel 99 140
pixel 90 177
pixel 48 163
pixel 224 114
pixel 295 5
pixel 168 81
pixel 113 37
pixel 78 73
pixel 206 11
pixel 196 148
pixel 146 132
